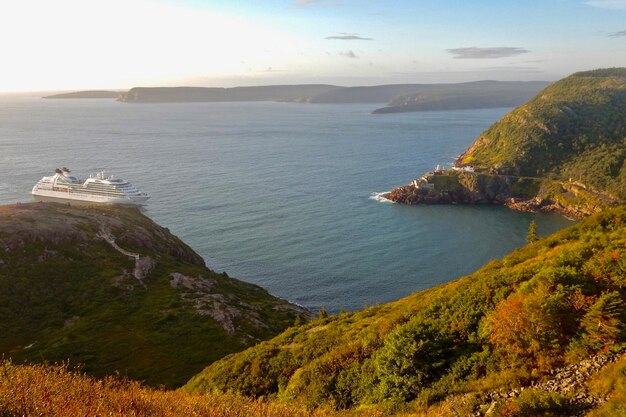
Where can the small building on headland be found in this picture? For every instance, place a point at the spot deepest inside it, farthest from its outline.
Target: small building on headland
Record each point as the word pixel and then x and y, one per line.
pixel 422 184
pixel 466 168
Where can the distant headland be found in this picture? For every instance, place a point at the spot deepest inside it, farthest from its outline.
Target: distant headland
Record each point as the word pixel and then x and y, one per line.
pixel 397 97
pixel 86 94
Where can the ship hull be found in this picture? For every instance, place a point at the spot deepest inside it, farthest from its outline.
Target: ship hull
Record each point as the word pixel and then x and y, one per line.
pixel 78 198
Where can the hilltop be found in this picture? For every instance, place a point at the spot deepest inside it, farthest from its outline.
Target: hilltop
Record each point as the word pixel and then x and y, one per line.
pixel 564 150
pixel 575 128
pixel 492 340
pixel 110 289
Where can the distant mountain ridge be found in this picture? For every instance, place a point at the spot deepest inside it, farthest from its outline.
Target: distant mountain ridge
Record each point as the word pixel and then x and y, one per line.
pixel 296 93
pixel 401 97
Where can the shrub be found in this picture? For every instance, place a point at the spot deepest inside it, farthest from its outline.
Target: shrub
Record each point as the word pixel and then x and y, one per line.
pixel 532 403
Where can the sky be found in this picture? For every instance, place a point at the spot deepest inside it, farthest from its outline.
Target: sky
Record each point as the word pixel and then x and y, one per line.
pixel 64 45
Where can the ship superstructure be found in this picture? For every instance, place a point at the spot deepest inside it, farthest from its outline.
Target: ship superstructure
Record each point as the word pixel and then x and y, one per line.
pixel 98 188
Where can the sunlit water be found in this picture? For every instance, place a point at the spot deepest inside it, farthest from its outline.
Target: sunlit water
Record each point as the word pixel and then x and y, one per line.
pixel 278 194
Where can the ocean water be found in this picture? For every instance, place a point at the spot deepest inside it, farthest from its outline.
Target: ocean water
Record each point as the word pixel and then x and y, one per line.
pixel 281 195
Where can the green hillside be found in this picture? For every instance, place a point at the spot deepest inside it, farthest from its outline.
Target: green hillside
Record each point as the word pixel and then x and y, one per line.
pixel 68 291
pixel 514 321
pixel 574 129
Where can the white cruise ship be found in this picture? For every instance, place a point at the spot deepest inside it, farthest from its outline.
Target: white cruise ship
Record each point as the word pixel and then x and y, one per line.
pixel 97 188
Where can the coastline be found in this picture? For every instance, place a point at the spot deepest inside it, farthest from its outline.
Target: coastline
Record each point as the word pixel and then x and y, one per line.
pixel 572 200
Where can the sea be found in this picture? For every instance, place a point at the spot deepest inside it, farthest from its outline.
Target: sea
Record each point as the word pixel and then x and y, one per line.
pixel 283 195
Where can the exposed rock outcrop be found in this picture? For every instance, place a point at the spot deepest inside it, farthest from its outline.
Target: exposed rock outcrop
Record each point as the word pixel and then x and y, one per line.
pixel 569 381
pixel 571 199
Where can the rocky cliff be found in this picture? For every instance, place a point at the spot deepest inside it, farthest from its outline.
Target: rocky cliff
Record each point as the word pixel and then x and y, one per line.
pixel 570 198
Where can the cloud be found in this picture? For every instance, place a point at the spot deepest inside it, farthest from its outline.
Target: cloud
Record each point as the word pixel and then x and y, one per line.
pixel 608 4
pixel 348 54
pixel 510 68
pixel 304 3
pixel 348 37
pixel 485 53
pixel 618 34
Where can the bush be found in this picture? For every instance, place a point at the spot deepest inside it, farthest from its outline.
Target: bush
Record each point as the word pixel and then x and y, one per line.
pixel 532 403
pixel 411 358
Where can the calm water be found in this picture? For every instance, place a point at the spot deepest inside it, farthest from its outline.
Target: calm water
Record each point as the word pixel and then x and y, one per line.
pixel 278 194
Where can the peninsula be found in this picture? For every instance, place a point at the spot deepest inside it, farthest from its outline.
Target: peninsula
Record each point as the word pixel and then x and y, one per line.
pixel 564 151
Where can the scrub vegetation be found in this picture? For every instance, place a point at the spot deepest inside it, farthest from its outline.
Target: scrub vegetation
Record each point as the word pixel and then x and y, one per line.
pixel 67 293
pixel 549 304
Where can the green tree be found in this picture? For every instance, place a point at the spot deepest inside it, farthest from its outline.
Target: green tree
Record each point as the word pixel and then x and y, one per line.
pixel 532 232
pixel 410 361
pixel 602 324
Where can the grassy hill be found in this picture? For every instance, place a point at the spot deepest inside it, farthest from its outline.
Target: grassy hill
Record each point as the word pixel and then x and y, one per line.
pixel 70 290
pixel 574 129
pixel 511 323
pixel 486 344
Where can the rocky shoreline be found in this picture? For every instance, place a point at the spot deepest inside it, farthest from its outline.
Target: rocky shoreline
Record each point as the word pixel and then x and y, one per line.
pixel 539 205
pixel 410 195
pixel 522 194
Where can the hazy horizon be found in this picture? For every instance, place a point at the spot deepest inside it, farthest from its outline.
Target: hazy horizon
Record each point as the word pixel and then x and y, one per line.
pixel 71 45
